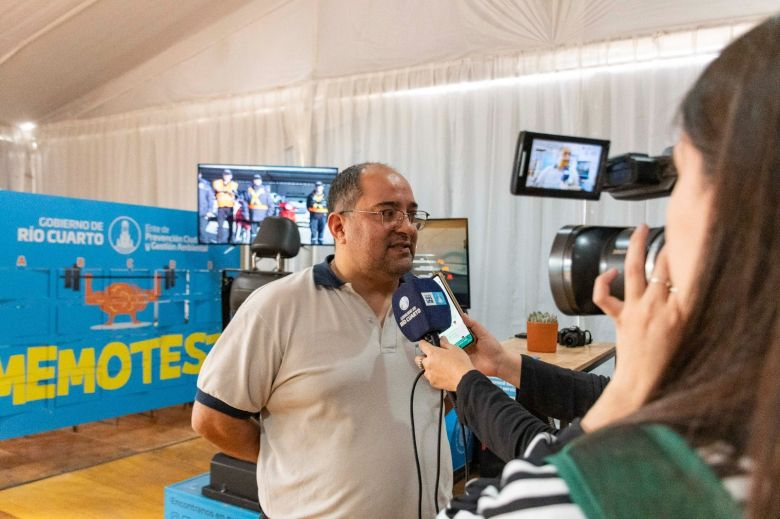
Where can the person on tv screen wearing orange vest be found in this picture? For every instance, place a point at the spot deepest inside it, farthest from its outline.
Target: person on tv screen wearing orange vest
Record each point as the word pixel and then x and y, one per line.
pixel 317 204
pixel 258 197
pixel 226 190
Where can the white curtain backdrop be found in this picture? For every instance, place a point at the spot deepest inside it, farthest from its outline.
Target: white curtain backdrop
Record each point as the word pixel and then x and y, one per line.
pixel 450 128
pixel 16 148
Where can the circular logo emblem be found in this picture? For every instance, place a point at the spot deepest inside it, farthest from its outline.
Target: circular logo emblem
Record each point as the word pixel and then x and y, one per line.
pixel 404 303
pixel 124 234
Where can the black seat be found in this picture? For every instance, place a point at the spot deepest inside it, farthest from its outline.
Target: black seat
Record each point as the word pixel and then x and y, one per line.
pixel 277 238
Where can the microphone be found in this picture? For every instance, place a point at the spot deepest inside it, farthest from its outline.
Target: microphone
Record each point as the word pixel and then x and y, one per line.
pixel 422 312
pixel 421 309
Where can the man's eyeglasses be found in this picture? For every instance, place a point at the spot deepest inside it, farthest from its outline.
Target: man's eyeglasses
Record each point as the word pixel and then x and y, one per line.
pixel 392 218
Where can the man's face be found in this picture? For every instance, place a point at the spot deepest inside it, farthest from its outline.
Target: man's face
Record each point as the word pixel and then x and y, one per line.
pixel 373 245
pixel 565 158
pixel 258 182
pixel 319 189
pixel 227 177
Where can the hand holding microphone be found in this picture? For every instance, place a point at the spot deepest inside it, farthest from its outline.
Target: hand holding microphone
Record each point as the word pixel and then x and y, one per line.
pixel 446 365
pixel 487 354
pixel 422 312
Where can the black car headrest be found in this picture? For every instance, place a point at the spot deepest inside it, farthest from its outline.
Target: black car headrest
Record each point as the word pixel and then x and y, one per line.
pixel 277 235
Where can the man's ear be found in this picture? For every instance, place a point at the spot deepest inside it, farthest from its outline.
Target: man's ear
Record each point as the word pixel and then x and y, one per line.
pixel 336 227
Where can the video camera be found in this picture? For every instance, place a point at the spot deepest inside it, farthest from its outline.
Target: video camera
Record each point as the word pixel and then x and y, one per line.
pixel 577 168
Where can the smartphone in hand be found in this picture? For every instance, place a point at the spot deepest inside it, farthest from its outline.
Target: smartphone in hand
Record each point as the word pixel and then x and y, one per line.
pixel 458 334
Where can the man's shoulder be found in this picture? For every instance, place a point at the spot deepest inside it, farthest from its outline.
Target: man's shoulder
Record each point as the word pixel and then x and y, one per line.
pixel 279 291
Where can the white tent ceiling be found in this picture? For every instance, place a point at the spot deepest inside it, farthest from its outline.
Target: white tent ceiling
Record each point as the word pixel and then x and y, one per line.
pixel 68 59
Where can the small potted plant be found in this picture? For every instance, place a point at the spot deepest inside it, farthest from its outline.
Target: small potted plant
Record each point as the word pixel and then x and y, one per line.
pixel 542 328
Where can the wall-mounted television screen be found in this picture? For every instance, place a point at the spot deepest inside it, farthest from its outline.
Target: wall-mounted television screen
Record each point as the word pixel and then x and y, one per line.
pixel 234 200
pixel 443 245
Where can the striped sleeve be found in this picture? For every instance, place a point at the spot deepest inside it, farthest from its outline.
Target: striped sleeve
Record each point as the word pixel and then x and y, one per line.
pixel 531 488
pixel 528 488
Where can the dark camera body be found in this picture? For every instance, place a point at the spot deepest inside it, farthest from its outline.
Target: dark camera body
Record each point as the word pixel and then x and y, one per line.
pixel 563 166
pixel 573 336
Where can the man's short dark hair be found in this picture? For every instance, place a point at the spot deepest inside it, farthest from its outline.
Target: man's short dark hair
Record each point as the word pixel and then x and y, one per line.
pixel 345 188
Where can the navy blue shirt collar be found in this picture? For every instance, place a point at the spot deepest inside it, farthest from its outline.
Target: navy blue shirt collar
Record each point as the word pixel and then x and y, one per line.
pixel 406 277
pixel 324 275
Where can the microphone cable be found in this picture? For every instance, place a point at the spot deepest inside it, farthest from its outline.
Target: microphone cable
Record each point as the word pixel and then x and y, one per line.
pixel 414 442
pixel 438 453
pixel 417 455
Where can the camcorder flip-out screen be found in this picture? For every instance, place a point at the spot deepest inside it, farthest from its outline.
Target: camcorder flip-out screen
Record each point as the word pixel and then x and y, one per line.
pixel 559 166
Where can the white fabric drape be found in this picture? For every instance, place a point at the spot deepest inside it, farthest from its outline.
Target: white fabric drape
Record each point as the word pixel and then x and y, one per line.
pixel 239 47
pixel 456 148
pixel 150 157
pixel 450 128
pixel 16 149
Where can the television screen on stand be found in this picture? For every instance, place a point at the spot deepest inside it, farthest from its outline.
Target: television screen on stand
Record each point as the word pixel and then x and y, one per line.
pixel 233 200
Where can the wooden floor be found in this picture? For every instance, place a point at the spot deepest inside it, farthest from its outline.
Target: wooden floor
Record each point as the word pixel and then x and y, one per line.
pixel 111 469
pixel 118 468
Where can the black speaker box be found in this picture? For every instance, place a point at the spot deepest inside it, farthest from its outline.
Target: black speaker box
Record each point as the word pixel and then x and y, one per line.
pixel 233 481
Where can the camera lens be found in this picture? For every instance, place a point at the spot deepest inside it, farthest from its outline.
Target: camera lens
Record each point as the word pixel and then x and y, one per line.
pixel 580 253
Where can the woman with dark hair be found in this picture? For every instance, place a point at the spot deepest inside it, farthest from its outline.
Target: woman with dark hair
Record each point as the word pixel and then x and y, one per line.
pixel 690 423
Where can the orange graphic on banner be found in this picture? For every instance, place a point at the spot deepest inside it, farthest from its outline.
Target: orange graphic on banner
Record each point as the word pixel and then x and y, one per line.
pixel 120 298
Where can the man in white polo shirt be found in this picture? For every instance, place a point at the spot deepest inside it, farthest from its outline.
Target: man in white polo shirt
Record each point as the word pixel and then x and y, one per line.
pixel 319 355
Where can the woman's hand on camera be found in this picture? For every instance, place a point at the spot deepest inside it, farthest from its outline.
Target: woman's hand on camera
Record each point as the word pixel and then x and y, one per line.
pixel 444 365
pixel 647 324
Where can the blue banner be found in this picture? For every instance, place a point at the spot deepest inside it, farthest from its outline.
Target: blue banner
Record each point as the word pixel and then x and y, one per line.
pixel 105 309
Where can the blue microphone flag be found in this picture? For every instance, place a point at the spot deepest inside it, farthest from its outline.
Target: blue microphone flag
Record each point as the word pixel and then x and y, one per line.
pixel 420 308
